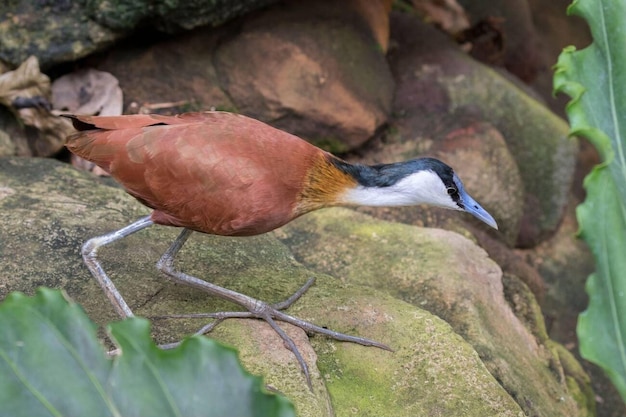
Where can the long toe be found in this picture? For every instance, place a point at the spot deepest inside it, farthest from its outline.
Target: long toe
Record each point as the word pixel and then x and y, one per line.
pixel 271 315
pixel 312 328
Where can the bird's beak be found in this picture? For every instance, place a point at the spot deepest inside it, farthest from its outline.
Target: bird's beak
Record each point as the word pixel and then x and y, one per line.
pixel 472 207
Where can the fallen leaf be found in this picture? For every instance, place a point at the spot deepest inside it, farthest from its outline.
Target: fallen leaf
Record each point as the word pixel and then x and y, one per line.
pixel 88 91
pixel 27 87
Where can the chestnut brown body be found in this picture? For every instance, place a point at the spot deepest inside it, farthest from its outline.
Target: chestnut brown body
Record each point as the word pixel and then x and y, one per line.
pixel 213 172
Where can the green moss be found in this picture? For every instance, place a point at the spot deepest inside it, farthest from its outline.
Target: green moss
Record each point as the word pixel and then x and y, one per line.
pixel 449 276
pixel 330 144
pixel 577 380
pixel 525 306
pixel 428 370
pixel 59 33
pixel 191 106
pixel 227 108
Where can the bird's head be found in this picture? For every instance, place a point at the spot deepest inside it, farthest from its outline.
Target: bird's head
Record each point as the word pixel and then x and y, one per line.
pixel 418 181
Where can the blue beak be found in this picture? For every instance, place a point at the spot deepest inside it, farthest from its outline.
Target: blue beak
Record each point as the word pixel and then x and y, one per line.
pixel 472 207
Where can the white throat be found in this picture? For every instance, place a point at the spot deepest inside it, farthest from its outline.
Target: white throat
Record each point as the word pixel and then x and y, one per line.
pixel 422 187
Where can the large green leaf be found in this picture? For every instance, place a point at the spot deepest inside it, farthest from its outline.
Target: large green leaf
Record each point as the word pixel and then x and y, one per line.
pixel 51 364
pixel 595 78
pixel 602 327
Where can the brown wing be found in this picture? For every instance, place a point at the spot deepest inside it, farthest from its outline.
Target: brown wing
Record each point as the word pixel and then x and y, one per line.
pixel 214 172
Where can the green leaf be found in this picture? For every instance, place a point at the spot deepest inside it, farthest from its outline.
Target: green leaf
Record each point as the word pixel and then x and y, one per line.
pixel 602 327
pixel 595 78
pixel 52 364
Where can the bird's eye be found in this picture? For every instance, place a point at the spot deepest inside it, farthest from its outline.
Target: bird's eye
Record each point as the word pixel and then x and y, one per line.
pixel 452 191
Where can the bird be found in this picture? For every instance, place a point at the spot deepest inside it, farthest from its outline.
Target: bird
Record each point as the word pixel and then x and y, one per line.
pixel 227 174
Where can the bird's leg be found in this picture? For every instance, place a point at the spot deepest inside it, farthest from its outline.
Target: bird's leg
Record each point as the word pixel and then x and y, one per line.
pixel 90 252
pixel 256 308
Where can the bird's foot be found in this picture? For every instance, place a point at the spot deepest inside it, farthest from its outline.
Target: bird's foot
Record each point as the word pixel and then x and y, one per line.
pixel 272 313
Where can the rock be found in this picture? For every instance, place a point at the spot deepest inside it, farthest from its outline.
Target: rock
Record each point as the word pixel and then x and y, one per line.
pixel 440 90
pixel 443 273
pixel 53 31
pixel 172 15
pixel 568 370
pixel 514 45
pixel 447 355
pixel 375 14
pixel 555 29
pixel 511 262
pixel 62 31
pixel 310 69
pixel 178 70
pixel 565 263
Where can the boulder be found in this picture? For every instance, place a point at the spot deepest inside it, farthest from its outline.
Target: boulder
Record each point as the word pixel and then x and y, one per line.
pixel 433 295
pixel 313 69
pixel 441 90
pixel 62 31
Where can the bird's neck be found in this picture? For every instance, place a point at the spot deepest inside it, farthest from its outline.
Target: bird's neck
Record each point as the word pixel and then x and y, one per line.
pixel 325 184
pixel 333 182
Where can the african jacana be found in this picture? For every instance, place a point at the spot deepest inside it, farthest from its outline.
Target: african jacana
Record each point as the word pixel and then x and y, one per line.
pixel 227 174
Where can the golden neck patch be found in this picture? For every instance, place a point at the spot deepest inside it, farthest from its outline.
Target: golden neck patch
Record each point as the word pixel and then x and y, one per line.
pixel 324 185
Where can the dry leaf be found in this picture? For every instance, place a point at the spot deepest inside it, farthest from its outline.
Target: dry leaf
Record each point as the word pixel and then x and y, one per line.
pixel 27 87
pixel 88 92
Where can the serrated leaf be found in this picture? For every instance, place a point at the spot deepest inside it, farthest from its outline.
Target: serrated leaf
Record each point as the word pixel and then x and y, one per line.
pixel 595 78
pixel 601 327
pixel 52 364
